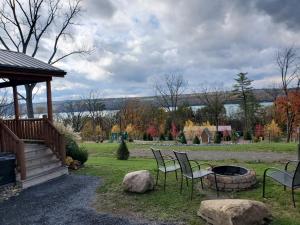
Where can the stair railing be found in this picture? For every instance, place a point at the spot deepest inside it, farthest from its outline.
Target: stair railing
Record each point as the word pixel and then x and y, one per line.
pixel 9 142
pixel 54 139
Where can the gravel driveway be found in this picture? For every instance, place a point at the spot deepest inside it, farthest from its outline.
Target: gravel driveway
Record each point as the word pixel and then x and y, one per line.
pixel 224 155
pixel 63 201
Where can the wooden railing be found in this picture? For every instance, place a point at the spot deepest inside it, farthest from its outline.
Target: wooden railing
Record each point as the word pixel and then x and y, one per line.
pixel 54 139
pixel 39 129
pixel 31 129
pixel 9 142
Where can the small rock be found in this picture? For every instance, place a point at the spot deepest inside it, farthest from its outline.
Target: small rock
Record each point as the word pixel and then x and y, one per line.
pixel 234 212
pixel 138 181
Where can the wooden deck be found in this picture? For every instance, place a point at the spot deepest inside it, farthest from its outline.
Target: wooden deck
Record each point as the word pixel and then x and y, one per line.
pixel 14 134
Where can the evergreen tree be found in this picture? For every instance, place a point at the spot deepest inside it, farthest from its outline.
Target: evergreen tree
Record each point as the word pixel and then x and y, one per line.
pixel 243 90
pixel 122 153
pixel 182 138
pixel 196 140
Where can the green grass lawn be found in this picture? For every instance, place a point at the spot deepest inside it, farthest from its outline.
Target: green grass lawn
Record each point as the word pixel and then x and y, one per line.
pixel 107 148
pixel 170 205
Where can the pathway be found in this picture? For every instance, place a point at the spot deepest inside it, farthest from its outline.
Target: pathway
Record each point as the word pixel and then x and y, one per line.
pixel 63 201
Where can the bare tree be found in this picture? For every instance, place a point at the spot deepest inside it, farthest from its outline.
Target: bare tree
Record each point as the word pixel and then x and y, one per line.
pixel 214 98
pixel 95 108
pixel 288 64
pixel 75 114
pixel 24 25
pixel 5 103
pixel 169 91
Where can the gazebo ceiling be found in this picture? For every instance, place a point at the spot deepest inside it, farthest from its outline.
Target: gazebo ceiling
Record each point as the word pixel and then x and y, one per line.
pixel 19 68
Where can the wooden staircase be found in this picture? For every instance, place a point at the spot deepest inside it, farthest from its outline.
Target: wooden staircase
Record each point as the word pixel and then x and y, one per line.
pixel 41 164
pixel 39 149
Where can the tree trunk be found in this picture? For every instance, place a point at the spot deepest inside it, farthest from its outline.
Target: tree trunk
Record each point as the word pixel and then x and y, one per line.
pixel 29 98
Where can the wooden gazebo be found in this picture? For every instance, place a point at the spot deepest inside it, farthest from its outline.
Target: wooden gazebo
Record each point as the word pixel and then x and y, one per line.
pixel 20 136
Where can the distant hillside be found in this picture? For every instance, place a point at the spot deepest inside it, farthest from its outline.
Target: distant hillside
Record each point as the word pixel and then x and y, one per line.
pixel 262 95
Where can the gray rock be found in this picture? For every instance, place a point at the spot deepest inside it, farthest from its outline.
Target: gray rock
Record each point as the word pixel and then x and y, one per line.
pixel 234 212
pixel 138 181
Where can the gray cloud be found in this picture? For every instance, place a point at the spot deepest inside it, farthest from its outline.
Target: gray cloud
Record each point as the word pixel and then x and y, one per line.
pixel 282 11
pixel 100 8
pixel 137 42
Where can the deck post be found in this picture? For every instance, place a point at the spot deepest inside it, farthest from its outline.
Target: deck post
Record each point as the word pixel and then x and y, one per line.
pixel 49 100
pixel 17 111
pixel 16 102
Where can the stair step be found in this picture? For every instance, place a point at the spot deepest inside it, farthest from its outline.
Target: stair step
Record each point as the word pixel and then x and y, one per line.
pixel 32 141
pixel 37 169
pixel 34 170
pixel 44 176
pixel 40 159
pixel 37 153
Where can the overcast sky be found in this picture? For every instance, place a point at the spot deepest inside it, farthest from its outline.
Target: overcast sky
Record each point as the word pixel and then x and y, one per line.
pixel 136 42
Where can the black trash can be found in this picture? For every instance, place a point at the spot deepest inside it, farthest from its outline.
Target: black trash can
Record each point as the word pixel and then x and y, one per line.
pixel 7 168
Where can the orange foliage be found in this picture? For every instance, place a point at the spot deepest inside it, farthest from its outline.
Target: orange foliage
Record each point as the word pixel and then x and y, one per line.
pixel 290 103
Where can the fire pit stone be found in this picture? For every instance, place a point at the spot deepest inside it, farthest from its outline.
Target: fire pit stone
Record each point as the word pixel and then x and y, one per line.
pixel 232 178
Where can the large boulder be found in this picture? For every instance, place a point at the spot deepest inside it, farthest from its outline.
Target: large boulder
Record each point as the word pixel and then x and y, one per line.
pixel 234 212
pixel 138 181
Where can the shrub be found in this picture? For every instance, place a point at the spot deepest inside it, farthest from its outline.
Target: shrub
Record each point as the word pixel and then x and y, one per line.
pixel 170 137
pixel 162 137
pixel 122 153
pixel 247 135
pixel 145 137
pixel 182 138
pixel 150 138
pixel 234 136
pixel 130 140
pixel 196 140
pixel 74 151
pixel 67 131
pixel 218 138
pixel 81 155
pixel 71 146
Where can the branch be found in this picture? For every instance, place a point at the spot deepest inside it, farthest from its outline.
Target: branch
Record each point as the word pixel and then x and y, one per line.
pixel 74 10
pixel 69 54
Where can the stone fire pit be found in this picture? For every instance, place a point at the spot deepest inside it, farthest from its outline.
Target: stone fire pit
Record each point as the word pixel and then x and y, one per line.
pixel 232 178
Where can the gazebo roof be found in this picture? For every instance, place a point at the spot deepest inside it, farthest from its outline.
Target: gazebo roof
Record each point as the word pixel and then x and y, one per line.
pixel 20 69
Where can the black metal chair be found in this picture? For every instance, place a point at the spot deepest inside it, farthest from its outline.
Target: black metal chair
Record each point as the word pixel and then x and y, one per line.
pixel 284 177
pixel 188 172
pixel 165 165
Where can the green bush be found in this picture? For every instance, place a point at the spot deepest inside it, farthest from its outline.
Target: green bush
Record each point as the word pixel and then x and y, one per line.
pixel 162 137
pixel 234 137
pixel 145 137
pixel 74 151
pixel 170 137
pixel 217 138
pixel 122 153
pixel 182 138
pixel 247 135
pixel 81 155
pixel 71 146
pixel 196 140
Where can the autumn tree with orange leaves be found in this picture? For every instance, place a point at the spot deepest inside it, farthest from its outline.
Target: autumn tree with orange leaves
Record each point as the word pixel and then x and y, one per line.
pixel 290 104
pixel 288 65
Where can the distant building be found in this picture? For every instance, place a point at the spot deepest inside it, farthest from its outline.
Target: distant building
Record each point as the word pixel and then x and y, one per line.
pixel 206 134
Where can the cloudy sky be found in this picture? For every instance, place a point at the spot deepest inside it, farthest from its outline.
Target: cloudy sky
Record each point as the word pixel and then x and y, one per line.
pixel 136 42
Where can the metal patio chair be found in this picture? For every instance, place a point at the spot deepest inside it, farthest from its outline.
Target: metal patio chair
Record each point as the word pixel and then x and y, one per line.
pixel 284 177
pixel 189 172
pixel 165 164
